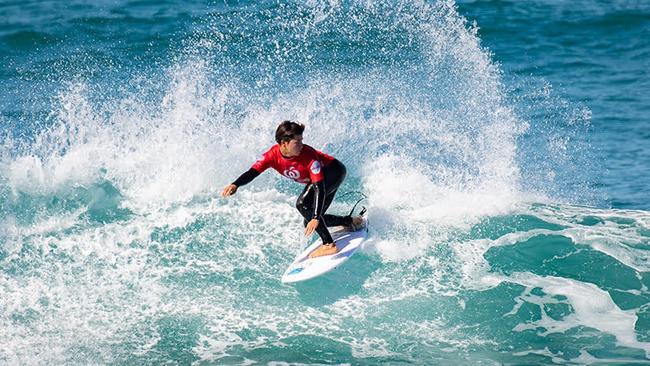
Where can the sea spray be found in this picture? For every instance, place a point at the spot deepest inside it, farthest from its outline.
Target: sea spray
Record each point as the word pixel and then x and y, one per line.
pixel 117 249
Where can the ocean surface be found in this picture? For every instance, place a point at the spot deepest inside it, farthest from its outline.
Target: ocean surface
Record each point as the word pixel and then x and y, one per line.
pixel 503 146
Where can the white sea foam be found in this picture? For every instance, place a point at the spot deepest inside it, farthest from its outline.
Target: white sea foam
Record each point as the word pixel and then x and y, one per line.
pixel 590 307
pixel 83 278
pixel 621 234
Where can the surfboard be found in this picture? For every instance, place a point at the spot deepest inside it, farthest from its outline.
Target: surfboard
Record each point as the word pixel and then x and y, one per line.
pixel 304 268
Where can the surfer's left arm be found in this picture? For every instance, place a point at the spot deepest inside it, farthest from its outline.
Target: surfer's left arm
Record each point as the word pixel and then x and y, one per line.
pixel 319 198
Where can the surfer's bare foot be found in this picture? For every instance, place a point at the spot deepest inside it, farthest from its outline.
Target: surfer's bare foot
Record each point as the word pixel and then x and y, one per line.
pixel 325 249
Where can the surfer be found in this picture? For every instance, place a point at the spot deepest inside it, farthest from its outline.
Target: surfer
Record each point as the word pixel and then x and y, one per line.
pixel 321 173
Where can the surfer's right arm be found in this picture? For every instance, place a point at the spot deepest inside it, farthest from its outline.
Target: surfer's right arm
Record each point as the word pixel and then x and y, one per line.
pixel 258 167
pixel 243 179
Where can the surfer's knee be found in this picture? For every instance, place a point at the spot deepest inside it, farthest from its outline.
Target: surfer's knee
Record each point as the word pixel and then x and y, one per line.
pixel 339 168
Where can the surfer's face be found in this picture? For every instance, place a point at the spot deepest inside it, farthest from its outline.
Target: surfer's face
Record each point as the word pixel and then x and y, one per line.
pixel 292 147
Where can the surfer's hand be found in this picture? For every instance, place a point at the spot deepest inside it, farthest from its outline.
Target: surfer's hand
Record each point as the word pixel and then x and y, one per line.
pixel 311 226
pixel 229 190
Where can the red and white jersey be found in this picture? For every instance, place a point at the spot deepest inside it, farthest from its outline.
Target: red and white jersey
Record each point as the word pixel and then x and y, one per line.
pixel 305 168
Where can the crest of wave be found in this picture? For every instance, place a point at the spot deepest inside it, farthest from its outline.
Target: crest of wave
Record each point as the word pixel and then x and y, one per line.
pixel 151 149
pixel 434 143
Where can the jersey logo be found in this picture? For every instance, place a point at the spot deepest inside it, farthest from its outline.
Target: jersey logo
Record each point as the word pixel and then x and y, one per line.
pixel 315 167
pixel 291 173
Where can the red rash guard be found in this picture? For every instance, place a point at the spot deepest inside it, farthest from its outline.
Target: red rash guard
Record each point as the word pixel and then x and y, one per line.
pixel 305 168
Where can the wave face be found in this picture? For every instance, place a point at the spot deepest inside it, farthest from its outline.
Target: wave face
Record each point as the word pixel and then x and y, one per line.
pixel 491 237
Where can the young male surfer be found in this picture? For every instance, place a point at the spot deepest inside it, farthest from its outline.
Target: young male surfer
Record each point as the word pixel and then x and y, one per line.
pixel 321 173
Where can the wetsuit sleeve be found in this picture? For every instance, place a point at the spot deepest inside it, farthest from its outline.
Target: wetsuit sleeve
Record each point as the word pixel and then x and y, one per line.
pixel 319 198
pixel 246 178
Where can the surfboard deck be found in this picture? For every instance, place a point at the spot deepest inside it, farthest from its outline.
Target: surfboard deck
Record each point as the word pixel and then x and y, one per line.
pixel 303 268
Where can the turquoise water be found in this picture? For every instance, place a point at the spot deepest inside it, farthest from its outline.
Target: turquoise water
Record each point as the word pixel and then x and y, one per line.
pixel 503 147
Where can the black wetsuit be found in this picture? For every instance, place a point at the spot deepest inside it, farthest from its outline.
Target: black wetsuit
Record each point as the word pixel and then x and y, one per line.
pixel 313 204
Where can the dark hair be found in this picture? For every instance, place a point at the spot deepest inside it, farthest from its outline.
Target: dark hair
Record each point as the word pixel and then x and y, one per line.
pixel 288 130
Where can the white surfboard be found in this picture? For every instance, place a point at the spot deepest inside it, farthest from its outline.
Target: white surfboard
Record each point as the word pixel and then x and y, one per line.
pixel 304 268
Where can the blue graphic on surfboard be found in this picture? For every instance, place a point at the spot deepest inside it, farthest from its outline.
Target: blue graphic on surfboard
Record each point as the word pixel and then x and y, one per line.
pixel 304 268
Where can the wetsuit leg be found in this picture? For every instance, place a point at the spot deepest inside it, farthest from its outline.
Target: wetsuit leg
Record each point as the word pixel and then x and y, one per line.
pixel 304 204
pixel 334 174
